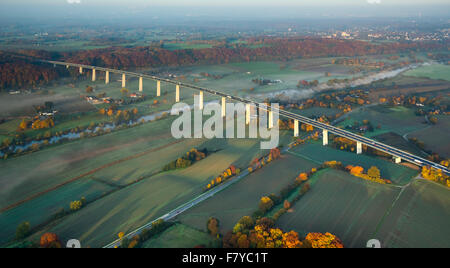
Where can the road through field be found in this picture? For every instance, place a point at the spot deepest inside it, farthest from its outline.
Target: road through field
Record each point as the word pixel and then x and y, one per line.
pixel 174 213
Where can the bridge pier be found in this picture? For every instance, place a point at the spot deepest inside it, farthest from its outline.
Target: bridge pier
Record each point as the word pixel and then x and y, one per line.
pixel 359 149
pixel 94 77
pixel 141 84
pixel 177 94
pixel 325 137
pixel 271 123
pixel 397 160
pixel 248 113
pixel 158 88
pixel 201 105
pixel 124 81
pixel 81 70
pixel 107 77
pixel 296 128
pixel 224 107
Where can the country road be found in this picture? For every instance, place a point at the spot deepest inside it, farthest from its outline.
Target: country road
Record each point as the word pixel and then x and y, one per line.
pixel 174 213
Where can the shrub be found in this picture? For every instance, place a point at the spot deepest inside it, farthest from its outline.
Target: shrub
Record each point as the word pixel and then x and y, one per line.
pixel 23 230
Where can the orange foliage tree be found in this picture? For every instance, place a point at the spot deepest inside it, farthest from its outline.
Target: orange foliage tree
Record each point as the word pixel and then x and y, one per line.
pixel 327 240
pixel 50 240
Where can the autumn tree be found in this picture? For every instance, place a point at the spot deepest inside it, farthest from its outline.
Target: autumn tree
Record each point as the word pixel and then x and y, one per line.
pixel 213 226
pixel 327 240
pixel 305 188
pixel 291 240
pixel 124 91
pixel 50 240
pixel 243 241
pixel 246 222
pixel 287 204
pixel 76 205
pixel 303 177
pixel 265 204
pixel 23 125
pixel 374 173
pixel 355 171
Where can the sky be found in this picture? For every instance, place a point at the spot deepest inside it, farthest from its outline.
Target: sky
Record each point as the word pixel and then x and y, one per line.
pixel 18 10
pixel 231 2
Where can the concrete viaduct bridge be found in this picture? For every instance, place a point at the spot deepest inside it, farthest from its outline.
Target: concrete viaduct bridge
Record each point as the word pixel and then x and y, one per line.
pixel 398 155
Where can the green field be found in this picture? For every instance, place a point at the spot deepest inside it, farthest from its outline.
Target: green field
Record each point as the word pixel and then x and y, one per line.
pixel 389 170
pixel 316 112
pixel 43 208
pixel 341 204
pixel 242 198
pixel 435 71
pixel 181 236
pixel 436 137
pixel 397 141
pixel 399 119
pixel 420 218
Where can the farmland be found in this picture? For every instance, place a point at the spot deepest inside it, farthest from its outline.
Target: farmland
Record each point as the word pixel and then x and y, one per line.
pixel 399 119
pixel 418 218
pixel 181 236
pixel 242 198
pixel 340 204
pixel 436 137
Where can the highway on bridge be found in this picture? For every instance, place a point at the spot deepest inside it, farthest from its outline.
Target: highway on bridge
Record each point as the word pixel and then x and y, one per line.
pixel 416 160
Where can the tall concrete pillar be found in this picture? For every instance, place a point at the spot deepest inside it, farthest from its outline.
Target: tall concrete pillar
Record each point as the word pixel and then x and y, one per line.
pixel 94 77
pixel 177 94
pixel 296 128
pixel 141 84
pixel 248 113
pixel 224 107
pixel 158 89
pixel 359 149
pixel 200 105
pixel 81 70
pixel 325 137
pixel 107 77
pixel 397 160
pixel 124 81
pixel 271 123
